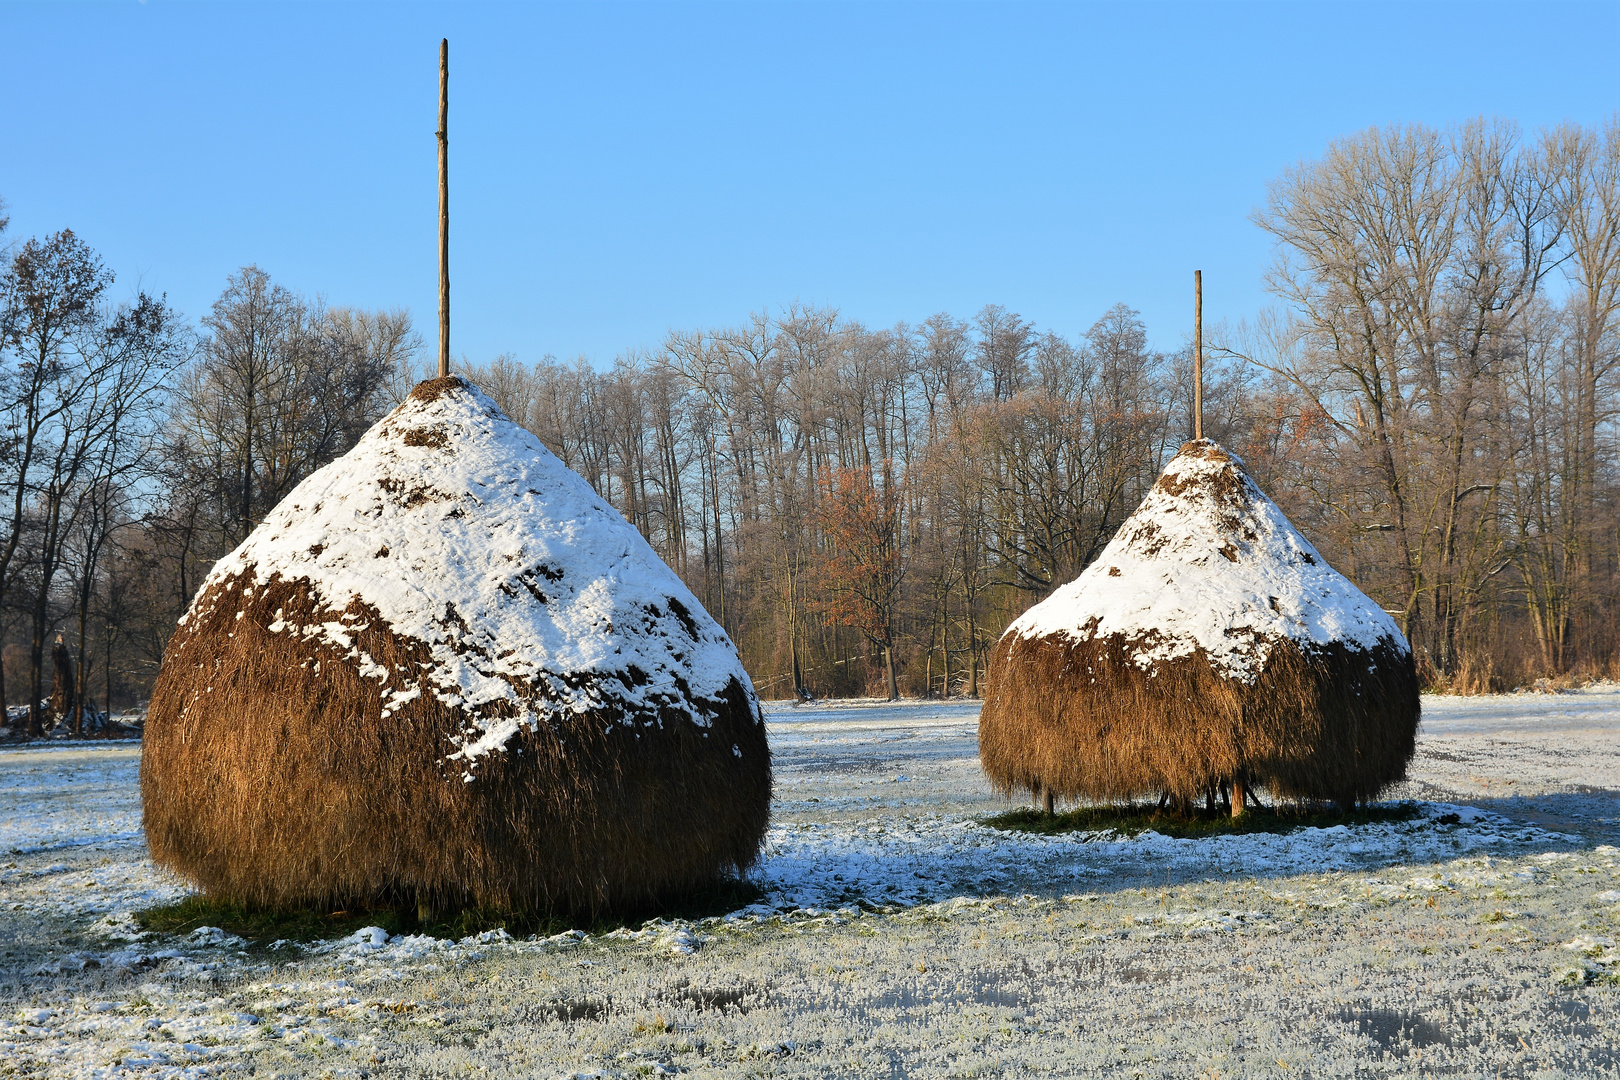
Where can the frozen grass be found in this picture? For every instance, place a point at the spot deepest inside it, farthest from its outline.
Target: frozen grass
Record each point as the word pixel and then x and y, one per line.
pixel 894 934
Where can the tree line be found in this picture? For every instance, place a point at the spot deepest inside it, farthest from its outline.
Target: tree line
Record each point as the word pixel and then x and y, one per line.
pixel 865 509
pixel 1442 385
pixel 138 448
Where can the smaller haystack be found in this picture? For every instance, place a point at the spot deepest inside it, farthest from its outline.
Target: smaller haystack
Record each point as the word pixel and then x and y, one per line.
pixel 1209 644
pixel 444 671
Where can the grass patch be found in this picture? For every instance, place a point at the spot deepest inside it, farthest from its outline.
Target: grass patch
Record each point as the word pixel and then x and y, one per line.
pixel 263 926
pixel 1130 820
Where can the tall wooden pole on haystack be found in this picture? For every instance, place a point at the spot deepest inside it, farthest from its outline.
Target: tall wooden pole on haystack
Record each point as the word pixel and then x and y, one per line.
pixel 1239 781
pixel 426 910
pixel 1198 354
pixel 444 208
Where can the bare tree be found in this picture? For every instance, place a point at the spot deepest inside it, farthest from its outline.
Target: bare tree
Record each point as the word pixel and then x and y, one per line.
pixel 280 387
pixel 50 292
pixel 78 397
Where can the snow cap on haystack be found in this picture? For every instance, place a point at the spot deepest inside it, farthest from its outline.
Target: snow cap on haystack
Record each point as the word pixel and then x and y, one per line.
pixel 1208 642
pixel 444 670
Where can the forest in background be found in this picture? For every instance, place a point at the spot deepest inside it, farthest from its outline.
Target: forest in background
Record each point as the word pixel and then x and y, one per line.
pixel 865 509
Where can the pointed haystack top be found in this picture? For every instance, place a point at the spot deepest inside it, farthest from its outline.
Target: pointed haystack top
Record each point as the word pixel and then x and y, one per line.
pixel 1209 562
pixel 534 597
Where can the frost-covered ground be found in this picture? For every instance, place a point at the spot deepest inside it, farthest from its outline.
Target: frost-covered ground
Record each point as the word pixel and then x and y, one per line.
pixel 899 938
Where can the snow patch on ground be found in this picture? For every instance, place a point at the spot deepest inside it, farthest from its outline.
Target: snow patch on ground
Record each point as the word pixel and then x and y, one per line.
pixel 916 858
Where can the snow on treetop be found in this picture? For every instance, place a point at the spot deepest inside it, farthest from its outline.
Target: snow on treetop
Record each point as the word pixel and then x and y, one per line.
pixel 1209 562
pixel 468 535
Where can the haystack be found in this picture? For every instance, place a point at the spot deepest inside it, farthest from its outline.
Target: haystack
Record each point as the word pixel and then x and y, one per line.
pixel 1208 644
pixel 445 671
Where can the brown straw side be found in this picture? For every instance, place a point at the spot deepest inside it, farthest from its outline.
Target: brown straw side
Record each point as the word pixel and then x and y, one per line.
pixel 1080 718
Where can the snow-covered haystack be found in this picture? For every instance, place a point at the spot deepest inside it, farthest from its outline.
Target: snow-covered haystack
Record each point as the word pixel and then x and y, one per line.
pixel 445 671
pixel 1209 642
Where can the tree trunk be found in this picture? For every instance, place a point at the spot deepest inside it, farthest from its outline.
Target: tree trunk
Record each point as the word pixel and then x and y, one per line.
pixel 82 684
pixel 888 672
pixel 64 685
pixel 36 673
pixel 973 660
pixel 719 544
pixel 799 692
pixel 928 672
pixel 1239 782
pixel 106 669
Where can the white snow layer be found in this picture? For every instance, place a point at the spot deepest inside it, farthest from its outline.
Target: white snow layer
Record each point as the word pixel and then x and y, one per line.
pixel 468 535
pixel 1209 562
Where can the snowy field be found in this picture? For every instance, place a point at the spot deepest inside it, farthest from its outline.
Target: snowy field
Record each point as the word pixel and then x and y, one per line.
pixel 898 937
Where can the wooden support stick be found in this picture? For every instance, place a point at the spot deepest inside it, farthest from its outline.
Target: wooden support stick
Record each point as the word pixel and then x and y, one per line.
pixel 1198 354
pixel 444 208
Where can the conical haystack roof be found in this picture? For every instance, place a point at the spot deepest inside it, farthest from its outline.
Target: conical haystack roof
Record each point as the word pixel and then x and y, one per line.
pixel 1209 641
pixel 443 669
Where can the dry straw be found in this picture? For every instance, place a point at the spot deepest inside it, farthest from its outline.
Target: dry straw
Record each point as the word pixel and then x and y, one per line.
pixel 270 775
pixel 1081 716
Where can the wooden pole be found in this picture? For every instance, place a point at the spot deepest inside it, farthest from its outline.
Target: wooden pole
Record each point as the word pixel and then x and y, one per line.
pixel 1198 354
pixel 444 208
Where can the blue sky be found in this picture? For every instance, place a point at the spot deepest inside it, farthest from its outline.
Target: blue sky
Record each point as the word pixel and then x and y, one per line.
pixel 618 170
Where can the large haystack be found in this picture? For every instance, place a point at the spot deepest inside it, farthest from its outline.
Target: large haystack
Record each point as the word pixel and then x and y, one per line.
pixel 1208 644
pixel 445 671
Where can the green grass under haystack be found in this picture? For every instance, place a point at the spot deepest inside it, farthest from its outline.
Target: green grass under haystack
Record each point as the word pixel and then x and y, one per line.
pixel 1129 820
pixel 262 926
